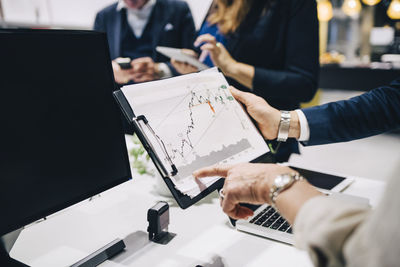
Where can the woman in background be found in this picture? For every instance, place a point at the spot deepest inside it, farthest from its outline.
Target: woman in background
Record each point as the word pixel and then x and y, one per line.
pixel 268 47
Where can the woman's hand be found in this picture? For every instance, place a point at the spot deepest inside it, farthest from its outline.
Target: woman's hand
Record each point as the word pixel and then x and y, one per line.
pixel 241 72
pixel 251 183
pixel 244 183
pixel 183 67
pixel 218 53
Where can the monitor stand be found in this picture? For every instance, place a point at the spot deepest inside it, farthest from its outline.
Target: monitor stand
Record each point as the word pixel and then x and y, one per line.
pixel 6 243
pixel 108 251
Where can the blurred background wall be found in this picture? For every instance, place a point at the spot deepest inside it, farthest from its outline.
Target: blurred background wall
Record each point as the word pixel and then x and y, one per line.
pixel 78 14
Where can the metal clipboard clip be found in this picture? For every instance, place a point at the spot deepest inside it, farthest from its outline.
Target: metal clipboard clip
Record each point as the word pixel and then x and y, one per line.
pixel 150 148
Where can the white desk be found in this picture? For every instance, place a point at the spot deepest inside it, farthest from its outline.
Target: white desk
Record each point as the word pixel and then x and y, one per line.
pixel 204 236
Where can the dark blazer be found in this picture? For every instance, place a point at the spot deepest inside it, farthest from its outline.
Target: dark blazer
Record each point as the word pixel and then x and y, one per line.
pixel 279 38
pixel 372 113
pixel 166 13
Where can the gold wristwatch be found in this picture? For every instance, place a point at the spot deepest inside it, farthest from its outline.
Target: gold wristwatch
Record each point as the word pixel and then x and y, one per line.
pixel 281 183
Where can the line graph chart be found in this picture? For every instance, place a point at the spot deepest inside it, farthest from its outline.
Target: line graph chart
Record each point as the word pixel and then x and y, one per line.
pixel 215 101
pixel 199 122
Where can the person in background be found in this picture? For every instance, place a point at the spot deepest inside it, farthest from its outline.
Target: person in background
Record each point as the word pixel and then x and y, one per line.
pixel 266 47
pixel 335 232
pixel 136 27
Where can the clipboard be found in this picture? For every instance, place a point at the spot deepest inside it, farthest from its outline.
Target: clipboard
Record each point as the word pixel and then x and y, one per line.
pixel 166 172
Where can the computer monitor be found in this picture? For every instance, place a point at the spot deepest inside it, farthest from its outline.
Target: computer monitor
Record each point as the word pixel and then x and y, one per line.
pixel 61 137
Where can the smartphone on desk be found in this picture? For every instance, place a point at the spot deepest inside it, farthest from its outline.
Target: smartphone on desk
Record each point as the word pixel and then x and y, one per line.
pixel 325 181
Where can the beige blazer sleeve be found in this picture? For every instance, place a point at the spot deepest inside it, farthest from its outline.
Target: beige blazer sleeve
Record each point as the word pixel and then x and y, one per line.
pixel 339 233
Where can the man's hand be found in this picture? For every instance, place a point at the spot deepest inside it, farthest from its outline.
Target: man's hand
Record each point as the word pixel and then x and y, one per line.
pixel 144 70
pixel 244 183
pixel 267 117
pixel 122 76
pixel 183 67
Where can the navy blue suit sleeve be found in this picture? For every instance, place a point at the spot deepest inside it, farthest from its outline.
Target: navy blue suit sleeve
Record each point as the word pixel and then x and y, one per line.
pixel 298 79
pixel 371 113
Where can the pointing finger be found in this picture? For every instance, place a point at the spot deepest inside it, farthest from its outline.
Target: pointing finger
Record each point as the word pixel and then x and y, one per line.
pixel 208 38
pixel 216 170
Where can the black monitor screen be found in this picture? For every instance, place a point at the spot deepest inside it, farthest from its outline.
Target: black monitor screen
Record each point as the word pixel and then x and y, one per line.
pixel 61 138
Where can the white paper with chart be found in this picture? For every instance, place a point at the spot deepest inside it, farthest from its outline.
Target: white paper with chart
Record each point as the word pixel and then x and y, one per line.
pixel 198 122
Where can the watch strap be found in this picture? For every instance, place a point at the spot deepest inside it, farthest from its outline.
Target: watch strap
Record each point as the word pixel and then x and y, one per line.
pixel 284 125
pixel 276 190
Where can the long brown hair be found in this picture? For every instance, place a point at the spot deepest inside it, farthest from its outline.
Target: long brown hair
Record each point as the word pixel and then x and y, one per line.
pixel 229 14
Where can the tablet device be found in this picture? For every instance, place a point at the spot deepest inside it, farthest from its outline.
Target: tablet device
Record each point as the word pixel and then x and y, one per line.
pixel 187 129
pixel 183 201
pixel 325 181
pixel 179 55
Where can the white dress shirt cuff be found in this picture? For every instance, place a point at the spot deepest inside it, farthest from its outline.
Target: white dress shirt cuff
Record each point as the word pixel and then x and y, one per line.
pixel 304 128
pixel 164 70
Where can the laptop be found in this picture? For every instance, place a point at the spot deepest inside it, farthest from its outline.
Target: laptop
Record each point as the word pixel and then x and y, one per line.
pixel 267 222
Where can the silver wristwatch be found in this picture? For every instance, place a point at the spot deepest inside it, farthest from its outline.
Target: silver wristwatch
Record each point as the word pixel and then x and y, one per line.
pixel 281 183
pixel 284 124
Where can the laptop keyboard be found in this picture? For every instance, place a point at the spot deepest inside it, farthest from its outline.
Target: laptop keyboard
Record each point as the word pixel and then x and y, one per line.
pixel 270 218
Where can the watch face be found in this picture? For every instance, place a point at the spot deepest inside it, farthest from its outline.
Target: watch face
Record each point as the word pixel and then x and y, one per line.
pixel 282 180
